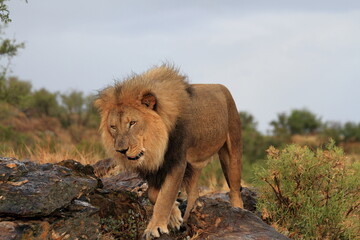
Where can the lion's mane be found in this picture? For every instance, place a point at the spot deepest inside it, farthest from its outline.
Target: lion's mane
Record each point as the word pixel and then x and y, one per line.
pixel 172 93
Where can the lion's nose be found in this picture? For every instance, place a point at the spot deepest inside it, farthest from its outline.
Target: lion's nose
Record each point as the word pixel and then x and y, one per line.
pixel 123 151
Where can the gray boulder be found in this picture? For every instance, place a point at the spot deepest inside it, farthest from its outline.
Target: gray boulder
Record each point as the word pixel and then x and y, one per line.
pixel 67 201
pixel 28 189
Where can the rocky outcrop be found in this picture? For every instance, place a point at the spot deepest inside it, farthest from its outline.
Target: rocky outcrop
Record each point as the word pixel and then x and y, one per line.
pixel 32 190
pixel 79 220
pixel 44 201
pixel 214 219
pixel 67 201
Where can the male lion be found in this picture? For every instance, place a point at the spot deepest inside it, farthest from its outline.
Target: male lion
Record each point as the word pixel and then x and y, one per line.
pixel 160 126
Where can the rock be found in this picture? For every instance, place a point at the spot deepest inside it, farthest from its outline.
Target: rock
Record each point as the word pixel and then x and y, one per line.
pixel 82 170
pixel 68 201
pixel 248 195
pixel 28 189
pixel 105 167
pixel 78 221
pixel 123 214
pixel 114 204
pixel 215 219
pixel 24 230
pixel 126 182
pixel 166 237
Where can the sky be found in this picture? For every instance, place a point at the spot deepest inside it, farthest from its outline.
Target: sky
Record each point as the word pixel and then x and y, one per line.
pixel 274 56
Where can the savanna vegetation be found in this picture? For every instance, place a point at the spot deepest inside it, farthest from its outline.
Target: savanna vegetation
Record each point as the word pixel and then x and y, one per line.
pixel 39 124
pixel 308 188
pixel 310 194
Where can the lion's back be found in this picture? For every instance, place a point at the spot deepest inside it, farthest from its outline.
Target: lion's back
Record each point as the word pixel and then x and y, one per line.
pixel 210 118
pixel 211 101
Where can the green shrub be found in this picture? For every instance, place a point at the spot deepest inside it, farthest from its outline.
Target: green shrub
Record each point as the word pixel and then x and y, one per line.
pixel 127 226
pixel 310 194
pixel 351 132
pixel 12 139
pixel 212 175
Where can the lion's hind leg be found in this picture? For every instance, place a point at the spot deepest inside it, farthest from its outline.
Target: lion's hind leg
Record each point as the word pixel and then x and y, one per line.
pixel 192 191
pixel 230 158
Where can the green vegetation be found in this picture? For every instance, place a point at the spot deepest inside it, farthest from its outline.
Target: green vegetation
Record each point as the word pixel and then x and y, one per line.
pixel 298 122
pixel 30 118
pixel 8 47
pixel 305 194
pixel 254 145
pixel 4 12
pixel 300 126
pixel 310 194
pixel 127 226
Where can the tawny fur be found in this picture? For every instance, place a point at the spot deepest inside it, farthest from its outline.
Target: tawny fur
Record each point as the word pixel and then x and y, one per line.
pixel 169 87
pixel 171 128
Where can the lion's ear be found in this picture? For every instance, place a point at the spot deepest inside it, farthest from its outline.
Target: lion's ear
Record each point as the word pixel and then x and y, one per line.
pixel 149 100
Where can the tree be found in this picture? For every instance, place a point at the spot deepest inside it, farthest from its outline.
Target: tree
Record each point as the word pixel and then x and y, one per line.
pixel 303 122
pixel 247 121
pixel 351 132
pixel 92 117
pixel 298 122
pixel 8 47
pixel 4 12
pixel 74 102
pixel 332 130
pixel 43 103
pixel 254 144
pixel 280 126
pixel 16 92
pixel 79 109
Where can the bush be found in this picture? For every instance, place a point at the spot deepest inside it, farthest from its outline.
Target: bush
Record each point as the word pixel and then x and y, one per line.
pixel 311 194
pixel 332 130
pixel 351 132
pixel 303 122
pixel 15 92
pixel 212 175
pixel 44 103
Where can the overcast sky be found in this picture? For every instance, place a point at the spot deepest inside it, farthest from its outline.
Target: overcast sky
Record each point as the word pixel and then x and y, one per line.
pixel 274 56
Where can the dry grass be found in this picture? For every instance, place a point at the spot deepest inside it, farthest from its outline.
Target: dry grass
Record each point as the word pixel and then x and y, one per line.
pixel 46 154
pixel 45 140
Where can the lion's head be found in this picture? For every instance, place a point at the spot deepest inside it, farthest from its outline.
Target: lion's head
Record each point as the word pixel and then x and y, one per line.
pixel 138 114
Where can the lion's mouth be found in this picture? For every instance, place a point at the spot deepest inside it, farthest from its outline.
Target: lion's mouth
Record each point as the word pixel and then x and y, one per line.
pixel 136 157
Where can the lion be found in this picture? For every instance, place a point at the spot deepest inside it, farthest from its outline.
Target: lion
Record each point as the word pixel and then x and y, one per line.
pixel 165 129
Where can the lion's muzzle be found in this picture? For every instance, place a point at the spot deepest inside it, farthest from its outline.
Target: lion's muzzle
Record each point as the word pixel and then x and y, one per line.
pixel 124 151
pixel 136 157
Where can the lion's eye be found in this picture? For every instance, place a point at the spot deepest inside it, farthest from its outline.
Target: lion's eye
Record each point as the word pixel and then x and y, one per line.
pixel 132 123
pixel 112 127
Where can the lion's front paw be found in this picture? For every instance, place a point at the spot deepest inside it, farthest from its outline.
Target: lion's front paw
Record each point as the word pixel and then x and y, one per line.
pixel 175 220
pixel 154 231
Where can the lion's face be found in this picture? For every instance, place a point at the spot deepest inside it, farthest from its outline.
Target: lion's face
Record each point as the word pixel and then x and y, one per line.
pixel 126 126
pixel 138 114
pixel 138 136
